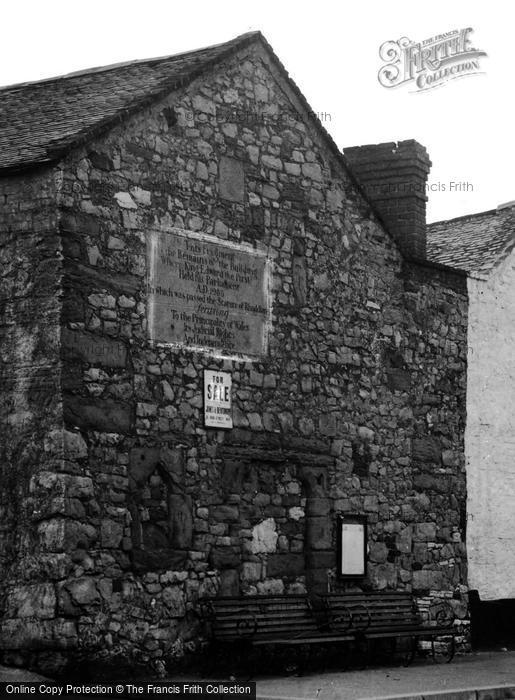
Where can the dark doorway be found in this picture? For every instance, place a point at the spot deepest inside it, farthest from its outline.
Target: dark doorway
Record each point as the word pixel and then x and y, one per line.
pixel 492 622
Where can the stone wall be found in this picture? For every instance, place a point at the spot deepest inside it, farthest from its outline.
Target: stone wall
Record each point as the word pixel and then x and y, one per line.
pixel 356 406
pixel 490 446
pixel 31 422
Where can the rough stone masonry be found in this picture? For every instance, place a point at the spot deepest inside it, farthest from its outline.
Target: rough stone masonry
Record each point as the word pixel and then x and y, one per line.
pixel 119 510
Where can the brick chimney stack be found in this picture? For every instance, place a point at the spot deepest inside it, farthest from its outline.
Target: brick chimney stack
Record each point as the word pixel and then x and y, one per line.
pixel 393 177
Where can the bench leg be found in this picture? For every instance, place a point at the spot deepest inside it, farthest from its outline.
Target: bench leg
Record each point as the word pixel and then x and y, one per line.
pixel 385 650
pixel 410 652
pixel 443 657
pixel 400 649
pixel 347 655
pixel 303 658
pixel 209 664
pixel 362 650
pixel 217 656
pixel 245 659
pixel 234 659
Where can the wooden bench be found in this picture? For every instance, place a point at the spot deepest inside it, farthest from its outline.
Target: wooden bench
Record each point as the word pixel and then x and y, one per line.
pixel 272 620
pixel 392 615
pixel 263 619
pixel 302 621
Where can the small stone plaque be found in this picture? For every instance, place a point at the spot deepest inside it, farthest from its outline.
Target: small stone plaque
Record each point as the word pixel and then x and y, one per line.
pixel 232 179
pixel 96 350
pixel 207 294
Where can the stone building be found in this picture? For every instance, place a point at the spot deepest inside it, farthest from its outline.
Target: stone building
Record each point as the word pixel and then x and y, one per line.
pixel 483 245
pixel 172 225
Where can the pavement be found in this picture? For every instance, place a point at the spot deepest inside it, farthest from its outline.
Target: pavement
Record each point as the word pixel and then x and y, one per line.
pixel 485 675
pixel 18 675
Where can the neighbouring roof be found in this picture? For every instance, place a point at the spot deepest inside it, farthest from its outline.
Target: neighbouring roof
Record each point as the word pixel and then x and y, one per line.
pixel 40 120
pixel 474 243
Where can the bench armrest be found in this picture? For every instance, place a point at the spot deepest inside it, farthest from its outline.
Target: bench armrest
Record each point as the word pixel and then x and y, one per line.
pixel 441 614
pixel 207 610
pixel 247 626
pixel 360 617
pixel 244 623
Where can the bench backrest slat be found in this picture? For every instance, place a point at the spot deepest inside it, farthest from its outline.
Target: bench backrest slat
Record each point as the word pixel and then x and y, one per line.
pixel 375 610
pixel 262 617
pixel 283 616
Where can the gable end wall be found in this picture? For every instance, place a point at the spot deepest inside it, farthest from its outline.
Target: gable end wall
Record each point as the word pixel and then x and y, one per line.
pixel 358 405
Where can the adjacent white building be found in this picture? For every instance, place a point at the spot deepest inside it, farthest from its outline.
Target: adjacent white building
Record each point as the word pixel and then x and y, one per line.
pixel 484 245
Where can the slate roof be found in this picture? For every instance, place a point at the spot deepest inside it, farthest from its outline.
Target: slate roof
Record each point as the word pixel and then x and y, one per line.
pixel 474 243
pixel 39 121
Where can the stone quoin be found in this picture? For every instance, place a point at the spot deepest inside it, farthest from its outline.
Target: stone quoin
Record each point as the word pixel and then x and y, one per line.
pixel 190 213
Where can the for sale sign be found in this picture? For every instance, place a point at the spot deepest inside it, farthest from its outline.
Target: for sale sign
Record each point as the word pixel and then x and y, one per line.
pixel 217 399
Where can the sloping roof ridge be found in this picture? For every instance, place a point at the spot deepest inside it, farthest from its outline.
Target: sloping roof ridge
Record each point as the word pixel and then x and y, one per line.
pixel 464 217
pixel 169 83
pixel 230 44
pixel 166 84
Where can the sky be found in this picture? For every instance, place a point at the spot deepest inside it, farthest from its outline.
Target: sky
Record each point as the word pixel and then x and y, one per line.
pixel 331 49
